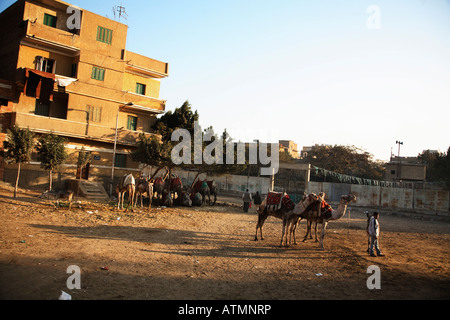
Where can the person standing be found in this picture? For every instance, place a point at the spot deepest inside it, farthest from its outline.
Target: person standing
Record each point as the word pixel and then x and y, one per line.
pixel 257 199
pixel 374 234
pixel 247 198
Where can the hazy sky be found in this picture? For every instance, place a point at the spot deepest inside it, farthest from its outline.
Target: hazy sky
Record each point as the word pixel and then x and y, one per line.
pixel 363 73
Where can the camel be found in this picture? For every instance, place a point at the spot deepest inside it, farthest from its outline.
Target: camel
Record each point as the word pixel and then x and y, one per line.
pixel 295 220
pixel 176 186
pixel 205 188
pixel 158 186
pixel 298 209
pixel 60 194
pixel 265 211
pixel 313 213
pixel 320 204
pixel 144 186
pixel 126 184
pixel 186 200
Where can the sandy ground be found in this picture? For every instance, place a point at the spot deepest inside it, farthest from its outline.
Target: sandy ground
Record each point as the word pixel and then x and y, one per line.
pixel 208 253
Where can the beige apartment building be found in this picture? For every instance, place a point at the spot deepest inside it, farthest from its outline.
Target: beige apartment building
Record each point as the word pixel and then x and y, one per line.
pixel 290 147
pixel 80 83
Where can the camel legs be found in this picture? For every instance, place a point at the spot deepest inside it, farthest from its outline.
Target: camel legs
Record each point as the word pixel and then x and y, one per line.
pixel 120 203
pixel 286 223
pixel 131 193
pixel 261 219
pixel 315 232
pixel 293 226
pixel 150 197
pixel 308 230
pixel 324 226
pixel 138 194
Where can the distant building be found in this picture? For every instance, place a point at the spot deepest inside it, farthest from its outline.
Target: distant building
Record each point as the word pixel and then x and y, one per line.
pixel 290 147
pixel 306 149
pixel 78 83
pixel 405 169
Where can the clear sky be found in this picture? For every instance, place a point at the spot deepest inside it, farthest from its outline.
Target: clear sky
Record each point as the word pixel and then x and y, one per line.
pixel 315 72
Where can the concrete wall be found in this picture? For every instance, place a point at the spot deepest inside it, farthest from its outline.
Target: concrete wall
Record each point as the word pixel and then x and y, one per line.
pixel 227 182
pixel 420 200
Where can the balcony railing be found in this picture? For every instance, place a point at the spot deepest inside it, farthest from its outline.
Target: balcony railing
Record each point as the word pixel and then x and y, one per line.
pixel 146 103
pixel 75 129
pixel 142 64
pixel 52 37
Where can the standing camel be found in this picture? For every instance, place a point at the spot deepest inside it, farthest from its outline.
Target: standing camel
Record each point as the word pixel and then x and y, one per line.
pixel 295 219
pixel 126 184
pixel 265 210
pixel 144 186
pixel 315 214
pixel 298 209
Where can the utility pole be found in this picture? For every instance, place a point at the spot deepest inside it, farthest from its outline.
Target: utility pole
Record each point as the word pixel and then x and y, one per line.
pixel 400 143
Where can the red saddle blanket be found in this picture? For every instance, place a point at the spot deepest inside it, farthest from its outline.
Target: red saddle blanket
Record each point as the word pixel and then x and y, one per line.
pixel 273 198
pixel 288 203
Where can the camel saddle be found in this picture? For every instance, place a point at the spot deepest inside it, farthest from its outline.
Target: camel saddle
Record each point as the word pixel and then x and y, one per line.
pixel 287 203
pixel 325 208
pixel 274 198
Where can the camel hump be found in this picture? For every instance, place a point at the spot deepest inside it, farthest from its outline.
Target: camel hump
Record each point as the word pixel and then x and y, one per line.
pixel 129 179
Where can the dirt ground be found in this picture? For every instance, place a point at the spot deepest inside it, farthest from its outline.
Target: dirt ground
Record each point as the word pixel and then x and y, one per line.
pixel 209 253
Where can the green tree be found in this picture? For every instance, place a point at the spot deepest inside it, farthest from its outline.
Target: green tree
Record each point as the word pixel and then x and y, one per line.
pixel 438 166
pixel 150 150
pixel 181 118
pixel 51 153
pixel 17 148
pixel 347 160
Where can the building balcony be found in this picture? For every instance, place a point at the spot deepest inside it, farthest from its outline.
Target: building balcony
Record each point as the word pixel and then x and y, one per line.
pixel 146 66
pixel 145 103
pixel 73 129
pixel 45 37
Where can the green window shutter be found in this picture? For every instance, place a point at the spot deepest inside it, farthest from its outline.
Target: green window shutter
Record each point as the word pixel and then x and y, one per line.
pixel 49 20
pixel 104 35
pixel 132 123
pixel 98 74
pixel 140 88
pixel 101 74
pixel 120 161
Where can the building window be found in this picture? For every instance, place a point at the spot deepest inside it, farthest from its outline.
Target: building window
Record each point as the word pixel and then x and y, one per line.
pixel 46 65
pixel 94 114
pixel 132 123
pixel 50 20
pixel 42 109
pixel 104 35
pixel 140 88
pixel 74 70
pixel 120 161
pixel 98 74
pixel 53 109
